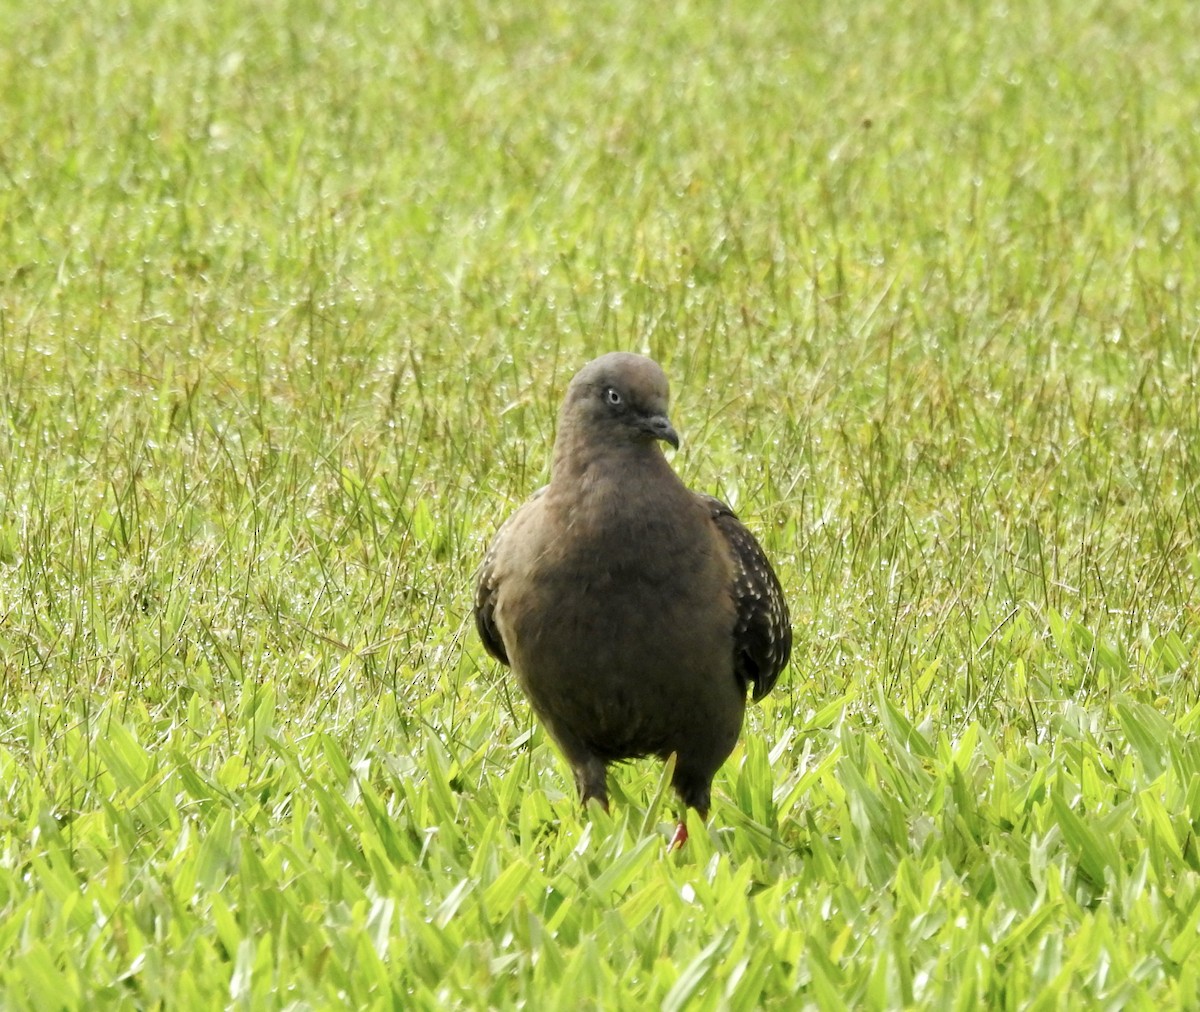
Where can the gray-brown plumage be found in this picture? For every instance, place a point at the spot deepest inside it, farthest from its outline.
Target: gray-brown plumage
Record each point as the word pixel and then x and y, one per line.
pixel 635 612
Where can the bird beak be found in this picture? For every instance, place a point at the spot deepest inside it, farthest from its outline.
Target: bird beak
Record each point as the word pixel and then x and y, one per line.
pixel 659 426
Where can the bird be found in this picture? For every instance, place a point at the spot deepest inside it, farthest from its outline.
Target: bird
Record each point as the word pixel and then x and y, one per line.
pixel 636 613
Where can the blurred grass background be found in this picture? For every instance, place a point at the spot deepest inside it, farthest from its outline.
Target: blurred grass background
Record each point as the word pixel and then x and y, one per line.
pixel 288 295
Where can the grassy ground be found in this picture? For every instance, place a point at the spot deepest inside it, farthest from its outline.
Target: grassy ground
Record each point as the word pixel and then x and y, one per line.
pixel 288 295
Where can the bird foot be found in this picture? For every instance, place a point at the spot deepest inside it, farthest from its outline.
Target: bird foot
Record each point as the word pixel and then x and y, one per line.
pixel 680 837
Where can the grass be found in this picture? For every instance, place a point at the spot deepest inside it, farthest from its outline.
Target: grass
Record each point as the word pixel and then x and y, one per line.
pixel 288 296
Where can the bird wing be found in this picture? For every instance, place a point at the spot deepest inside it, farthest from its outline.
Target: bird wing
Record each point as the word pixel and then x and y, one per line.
pixel 487 588
pixel 763 630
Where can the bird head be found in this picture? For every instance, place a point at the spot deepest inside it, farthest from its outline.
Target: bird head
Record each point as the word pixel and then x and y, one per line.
pixel 618 399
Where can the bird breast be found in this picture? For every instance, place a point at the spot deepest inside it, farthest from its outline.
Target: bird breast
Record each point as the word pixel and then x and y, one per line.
pixel 623 623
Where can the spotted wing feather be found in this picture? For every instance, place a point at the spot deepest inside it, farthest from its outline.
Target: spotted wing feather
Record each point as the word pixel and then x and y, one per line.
pixel 487 588
pixel 763 630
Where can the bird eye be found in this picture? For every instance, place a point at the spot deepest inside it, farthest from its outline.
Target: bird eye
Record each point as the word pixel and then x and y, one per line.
pixel 611 396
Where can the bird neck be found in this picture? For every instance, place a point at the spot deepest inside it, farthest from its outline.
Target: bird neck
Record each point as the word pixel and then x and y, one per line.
pixel 582 466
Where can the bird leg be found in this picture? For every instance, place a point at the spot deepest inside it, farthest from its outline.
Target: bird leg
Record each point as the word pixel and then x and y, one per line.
pixel 591 781
pixel 695 791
